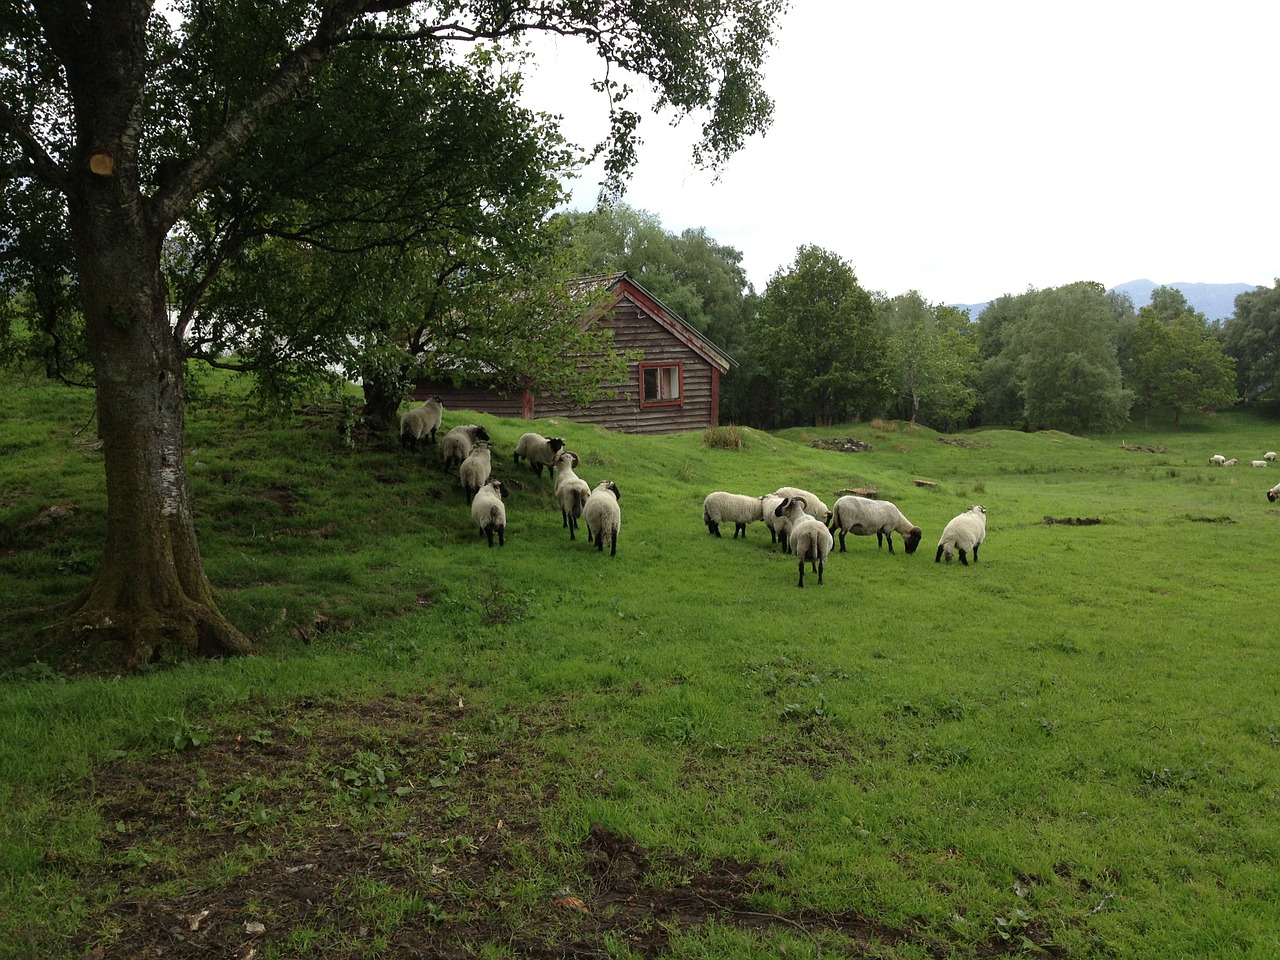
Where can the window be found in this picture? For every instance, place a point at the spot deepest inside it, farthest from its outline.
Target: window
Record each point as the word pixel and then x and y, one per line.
pixel 660 383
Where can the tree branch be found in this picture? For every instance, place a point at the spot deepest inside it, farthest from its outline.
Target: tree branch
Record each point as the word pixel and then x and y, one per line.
pixel 42 166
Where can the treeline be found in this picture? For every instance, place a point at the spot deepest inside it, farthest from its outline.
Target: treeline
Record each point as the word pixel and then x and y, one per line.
pixel 815 347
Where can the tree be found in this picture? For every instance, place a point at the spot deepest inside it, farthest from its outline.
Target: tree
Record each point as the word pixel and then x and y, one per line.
pixel 1252 337
pixel 1177 360
pixel 933 358
pixel 1069 367
pixel 817 339
pixel 133 125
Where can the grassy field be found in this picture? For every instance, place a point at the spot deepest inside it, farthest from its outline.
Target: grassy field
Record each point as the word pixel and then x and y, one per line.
pixel 443 750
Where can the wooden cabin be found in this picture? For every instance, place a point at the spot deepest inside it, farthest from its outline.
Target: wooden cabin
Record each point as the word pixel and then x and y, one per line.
pixel 674 386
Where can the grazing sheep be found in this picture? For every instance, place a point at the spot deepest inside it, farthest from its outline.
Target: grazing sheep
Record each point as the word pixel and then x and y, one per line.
pixel 814 507
pixel 1257 463
pixel 863 516
pixel 603 516
pixel 1268 456
pixel 571 490
pixel 540 451
pixel 965 532
pixel 1231 463
pixel 777 525
pixel 809 539
pixel 475 470
pixel 1274 493
pixel 488 510
pixel 737 508
pixel 1218 459
pixel 458 443
pixel 421 422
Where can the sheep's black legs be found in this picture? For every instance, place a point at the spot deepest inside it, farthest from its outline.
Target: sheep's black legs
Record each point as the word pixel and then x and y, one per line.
pixel 962 556
pixel 613 543
pixel 842 549
pixel 801 566
pixel 975 553
pixel 939 554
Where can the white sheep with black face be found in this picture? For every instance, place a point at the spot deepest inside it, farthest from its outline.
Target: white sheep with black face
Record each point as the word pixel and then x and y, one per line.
pixel 571 490
pixel 777 525
pixel 459 442
pixel 1217 460
pixel 488 510
pixel 475 470
pixel 421 422
pixel 963 534
pixel 863 516
pixel 814 506
pixel 540 451
pixel 809 540
pixel 736 508
pixel 603 516
pixel 1274 493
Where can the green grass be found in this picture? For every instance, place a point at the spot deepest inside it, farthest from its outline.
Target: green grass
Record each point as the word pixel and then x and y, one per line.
pixel 1067 748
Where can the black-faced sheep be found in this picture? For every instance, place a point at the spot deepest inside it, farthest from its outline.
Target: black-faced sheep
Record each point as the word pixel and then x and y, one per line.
pixel 964 533
pixel 863 516
pixel 571 490
pixel 458 443
pixel 475 470
pixel 1274 493
pixel 1217 460
pixel 1269 455
pixel 489 512
pixel 540 451
pixel 1257 463
pixel 777 525
pixel 736 508
pixel 421 422
pixel 603 516
pixel 809 539
pixel 814 506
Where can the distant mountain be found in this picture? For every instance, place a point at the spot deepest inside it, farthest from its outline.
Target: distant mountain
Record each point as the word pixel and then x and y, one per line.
pixel 1217 301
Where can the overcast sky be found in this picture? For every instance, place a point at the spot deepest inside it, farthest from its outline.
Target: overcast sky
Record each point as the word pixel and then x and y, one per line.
pixel 967 150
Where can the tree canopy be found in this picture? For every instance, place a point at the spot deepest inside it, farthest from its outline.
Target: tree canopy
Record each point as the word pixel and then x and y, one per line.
pixel 1252 337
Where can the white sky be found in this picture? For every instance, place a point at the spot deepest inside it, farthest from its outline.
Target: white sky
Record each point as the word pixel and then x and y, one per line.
pixel 971 149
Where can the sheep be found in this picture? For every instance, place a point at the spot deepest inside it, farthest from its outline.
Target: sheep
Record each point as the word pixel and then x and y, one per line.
pixel 1269 455
pixel 1258 463
pixel 1274 493
pixel 777 525
pixel 963 533
pixel 1231 463
pixel 738 508
pixel 458 442
pixel 813 506
pixel 475 470
pixel 603 516
pixel 421 422
pixel 863 516
pixel 809 540
pixel 1218 459
pixel 540 451
pixel 571 490
pixel 489 512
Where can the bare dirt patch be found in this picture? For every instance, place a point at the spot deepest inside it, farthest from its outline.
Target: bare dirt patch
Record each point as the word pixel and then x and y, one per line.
pixel 400 827
pixel 846 445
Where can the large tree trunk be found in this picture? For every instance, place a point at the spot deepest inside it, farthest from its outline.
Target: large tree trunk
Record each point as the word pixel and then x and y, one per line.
pixel 149 600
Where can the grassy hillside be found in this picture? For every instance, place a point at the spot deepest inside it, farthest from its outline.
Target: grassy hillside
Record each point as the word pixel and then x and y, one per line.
pixel 443 749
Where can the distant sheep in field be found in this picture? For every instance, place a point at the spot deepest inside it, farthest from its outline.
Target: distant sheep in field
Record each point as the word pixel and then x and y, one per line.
pixel 603 516
pixel 736 508
pixel 1217 459
pixel 540 451
pixel 1274 493
pixel 964 533
pixel 489 512
pixel 1268 456
pixel 863 516
pixel 421 422
pixel 458 443
pixel 1257 463
pixel 1231 463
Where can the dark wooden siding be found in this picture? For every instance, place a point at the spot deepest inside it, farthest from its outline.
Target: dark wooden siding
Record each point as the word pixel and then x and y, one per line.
pixel 634 330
